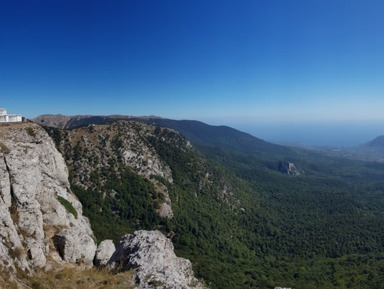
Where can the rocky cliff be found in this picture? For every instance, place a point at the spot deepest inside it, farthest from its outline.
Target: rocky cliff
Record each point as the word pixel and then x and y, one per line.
pixel 40 217
pixel 288 168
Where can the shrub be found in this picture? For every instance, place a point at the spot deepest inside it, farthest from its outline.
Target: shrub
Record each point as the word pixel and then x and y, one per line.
pixel 30 131
pixel 4 149
pixel 67 205
pixel 17 253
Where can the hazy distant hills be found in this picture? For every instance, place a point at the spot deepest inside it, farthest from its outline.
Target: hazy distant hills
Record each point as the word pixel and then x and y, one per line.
pixel 376 144
pixel 370 151
pixel 223 137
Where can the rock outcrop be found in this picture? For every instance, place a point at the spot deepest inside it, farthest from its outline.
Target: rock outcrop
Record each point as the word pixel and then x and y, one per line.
pixel 288 168
pixel 36 203
pixel 75 247
pixel 151 254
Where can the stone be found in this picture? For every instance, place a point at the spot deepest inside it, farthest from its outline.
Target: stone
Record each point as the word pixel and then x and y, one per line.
pixel 104 253
pixel 75 247
pixel 152 256
pixel 165 211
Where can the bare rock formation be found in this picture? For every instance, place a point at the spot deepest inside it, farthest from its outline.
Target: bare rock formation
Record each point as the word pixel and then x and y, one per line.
pixel 288 168
pixel 75 247
pixel 36 202
pixel 151 254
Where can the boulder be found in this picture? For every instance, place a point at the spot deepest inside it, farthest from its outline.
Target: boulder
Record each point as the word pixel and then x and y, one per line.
pixel 104 253
pixel 151 254
pixel 75 247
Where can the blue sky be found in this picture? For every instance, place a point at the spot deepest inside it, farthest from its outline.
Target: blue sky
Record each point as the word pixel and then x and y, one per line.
pixel 238 62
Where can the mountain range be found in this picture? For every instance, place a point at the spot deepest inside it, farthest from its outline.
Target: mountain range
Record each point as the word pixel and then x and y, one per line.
pixel 247 213
pixel 226 137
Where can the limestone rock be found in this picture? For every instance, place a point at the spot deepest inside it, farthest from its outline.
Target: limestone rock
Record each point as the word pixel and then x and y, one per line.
pixel 75 247
pixel 35 197
pixel 104 253
pixel 11 248
pixel 288 168
pixel 165 211
pixel 151 254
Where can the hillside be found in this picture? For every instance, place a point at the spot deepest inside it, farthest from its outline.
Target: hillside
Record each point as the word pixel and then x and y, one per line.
pixel 125 172
pixel 372 150
pixel 221 136
pixel 377 143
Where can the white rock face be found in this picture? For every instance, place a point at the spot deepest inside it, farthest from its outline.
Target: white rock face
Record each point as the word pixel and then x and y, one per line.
pixel 288 168
pixel 33 175
pixel 104 253
pixel 155 263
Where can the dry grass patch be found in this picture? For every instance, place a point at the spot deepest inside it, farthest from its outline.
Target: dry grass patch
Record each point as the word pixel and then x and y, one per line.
pixel 4 149
pixel 70 278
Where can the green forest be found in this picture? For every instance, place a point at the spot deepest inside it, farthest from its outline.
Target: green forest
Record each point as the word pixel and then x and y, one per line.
pixel 242 222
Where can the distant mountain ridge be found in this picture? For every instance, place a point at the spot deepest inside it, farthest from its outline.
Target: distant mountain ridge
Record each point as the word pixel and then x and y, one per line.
pixel 372 151
pixel 219 138
pixel 69 122
pixel 197 132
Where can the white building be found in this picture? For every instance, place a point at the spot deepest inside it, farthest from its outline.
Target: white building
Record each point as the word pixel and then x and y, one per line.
pixel 4 117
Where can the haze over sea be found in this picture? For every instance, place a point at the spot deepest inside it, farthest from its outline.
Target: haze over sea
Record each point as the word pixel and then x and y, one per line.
pixel 310 133
pixel 338 134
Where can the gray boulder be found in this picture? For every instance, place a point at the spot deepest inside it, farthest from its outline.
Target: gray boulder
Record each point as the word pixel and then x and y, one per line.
pixel 104 253
pixel 151 254
pixel 75 247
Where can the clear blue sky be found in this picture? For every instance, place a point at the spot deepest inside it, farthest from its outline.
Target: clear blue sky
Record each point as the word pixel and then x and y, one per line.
pixel 229 61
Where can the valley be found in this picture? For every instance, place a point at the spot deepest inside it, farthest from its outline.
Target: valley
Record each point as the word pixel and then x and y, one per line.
pixel 241 221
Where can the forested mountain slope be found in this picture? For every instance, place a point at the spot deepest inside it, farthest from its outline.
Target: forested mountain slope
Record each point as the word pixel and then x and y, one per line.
pixel 243 223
